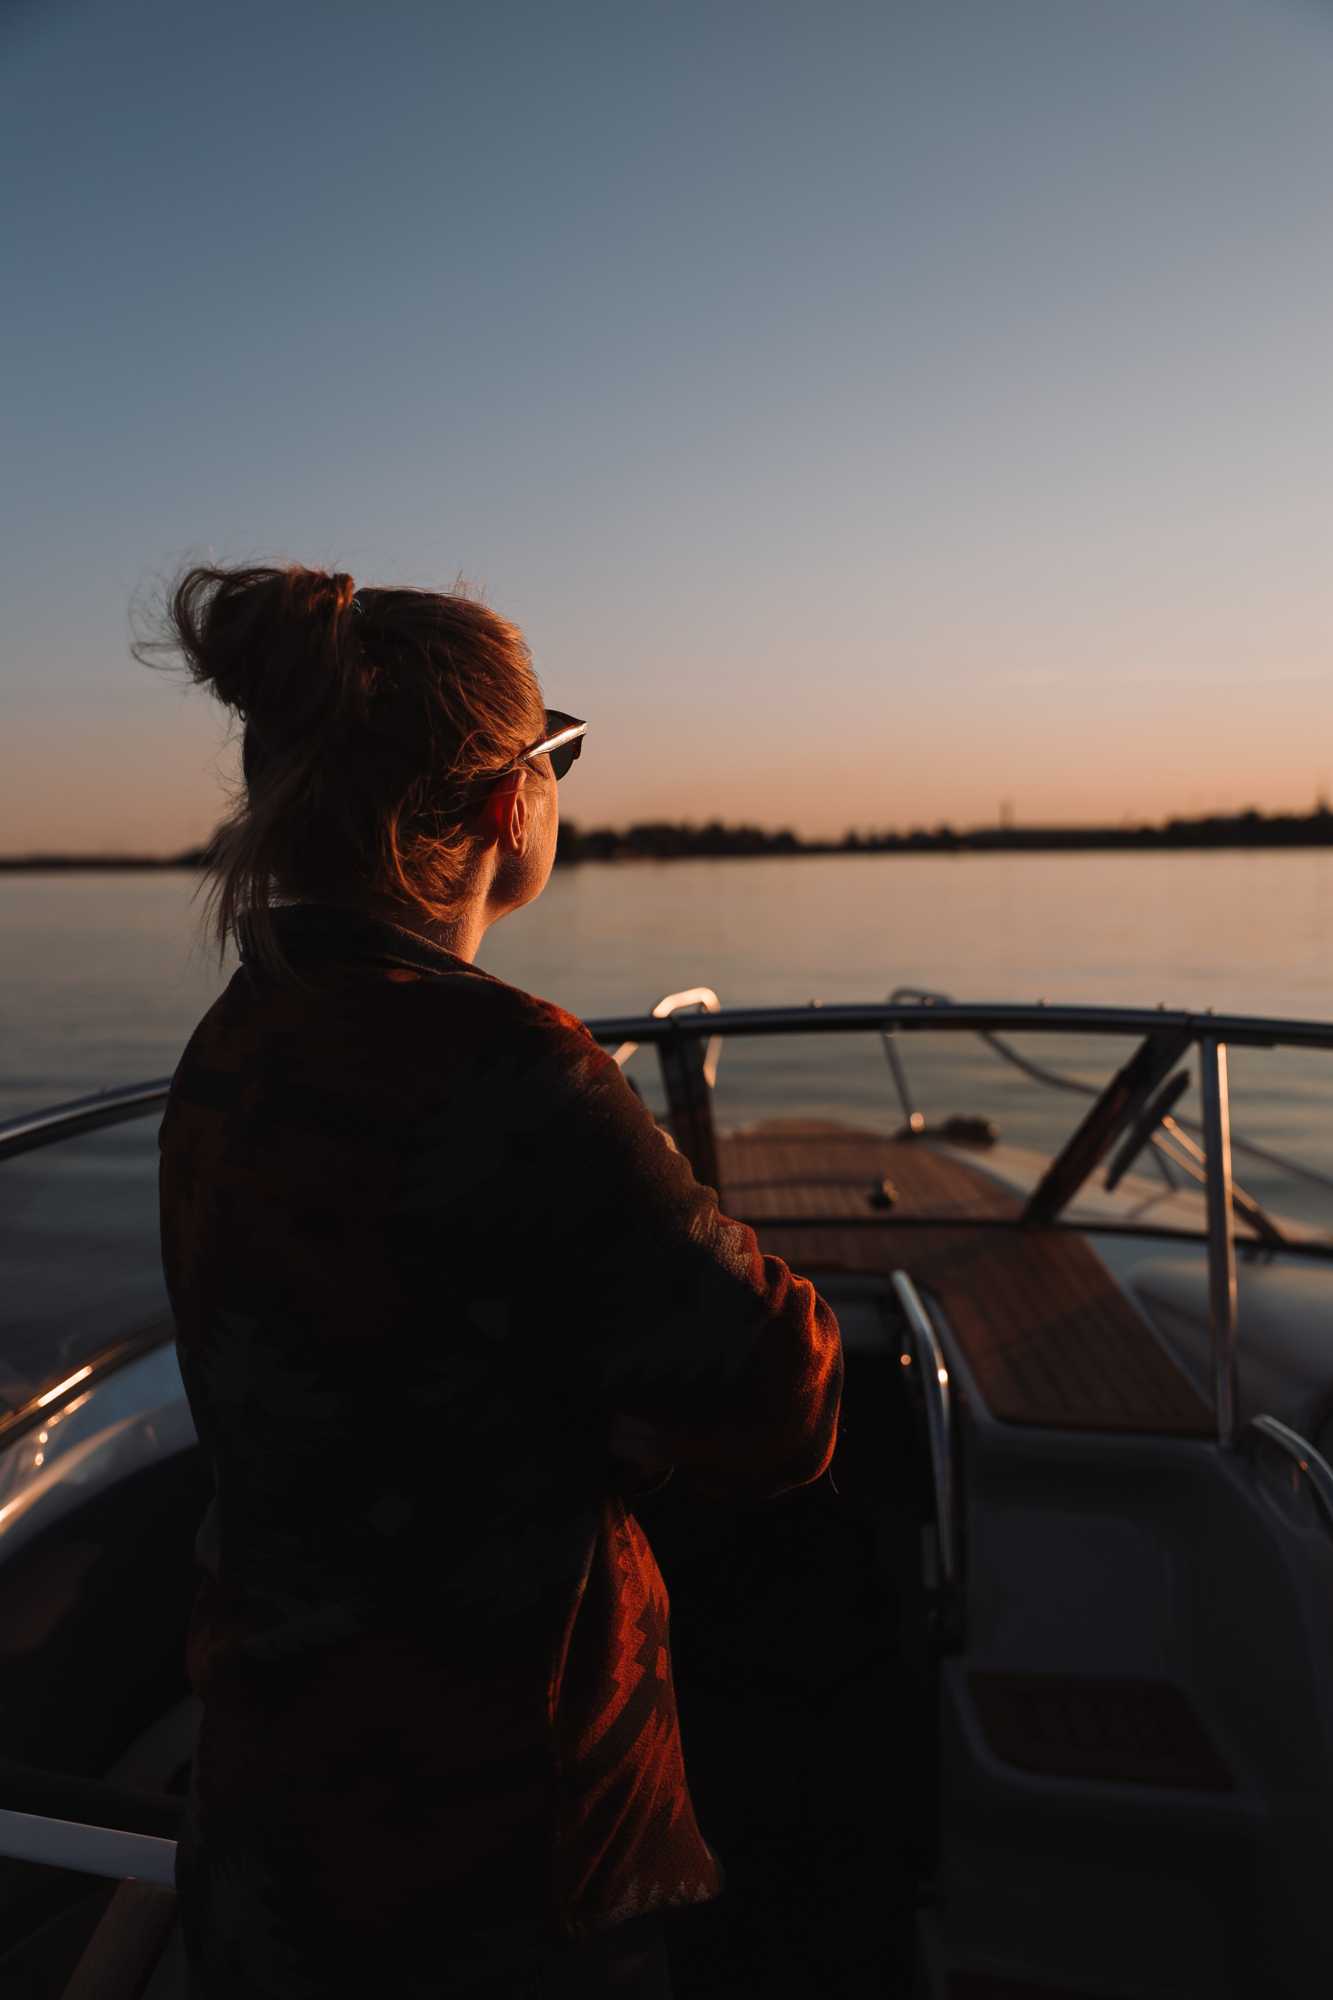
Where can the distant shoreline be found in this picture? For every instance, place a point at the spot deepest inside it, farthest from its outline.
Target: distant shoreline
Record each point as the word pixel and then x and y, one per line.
pixel 663 842
pixel 77 864
pixel 666 841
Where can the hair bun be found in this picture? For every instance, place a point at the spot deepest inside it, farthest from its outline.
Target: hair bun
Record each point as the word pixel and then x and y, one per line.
pixel 271 643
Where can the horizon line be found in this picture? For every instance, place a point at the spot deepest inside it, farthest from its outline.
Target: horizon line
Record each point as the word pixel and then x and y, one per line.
pixel 692 839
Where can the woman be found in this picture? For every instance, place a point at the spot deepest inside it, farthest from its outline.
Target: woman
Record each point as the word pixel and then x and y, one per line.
pixel 425 1248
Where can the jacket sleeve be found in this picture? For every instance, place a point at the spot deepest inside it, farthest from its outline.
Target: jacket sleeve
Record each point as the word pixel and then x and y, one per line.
pixel 543 1202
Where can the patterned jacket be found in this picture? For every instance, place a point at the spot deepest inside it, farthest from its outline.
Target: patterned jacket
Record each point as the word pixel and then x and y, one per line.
pixel 421 1240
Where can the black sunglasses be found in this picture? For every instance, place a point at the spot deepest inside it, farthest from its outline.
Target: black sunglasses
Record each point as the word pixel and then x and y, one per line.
pixel 562 742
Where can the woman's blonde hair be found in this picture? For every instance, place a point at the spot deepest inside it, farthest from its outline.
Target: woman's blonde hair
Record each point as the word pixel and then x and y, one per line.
pixel 369 717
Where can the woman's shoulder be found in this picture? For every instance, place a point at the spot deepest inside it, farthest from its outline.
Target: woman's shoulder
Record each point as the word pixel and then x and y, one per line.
pixel 344 963
pixel 492 1016
pixel 359 1044
pixel 465 1040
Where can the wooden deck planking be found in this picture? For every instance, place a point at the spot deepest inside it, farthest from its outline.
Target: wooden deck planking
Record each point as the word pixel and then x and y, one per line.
pixel 1049 1336
pixel 806 1169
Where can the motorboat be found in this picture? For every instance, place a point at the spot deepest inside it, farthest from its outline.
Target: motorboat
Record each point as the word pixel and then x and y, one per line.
pixel 1030 1695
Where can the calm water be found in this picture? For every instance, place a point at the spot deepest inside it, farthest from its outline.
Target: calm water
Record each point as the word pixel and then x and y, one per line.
pixel 102 978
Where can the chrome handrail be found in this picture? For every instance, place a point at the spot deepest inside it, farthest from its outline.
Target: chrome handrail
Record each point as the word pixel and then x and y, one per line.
pixel 1302 1453
pixel 935 1389
pixel 95 1365
pixel 1221 1232
pixel 673 1003
pixel 32 1129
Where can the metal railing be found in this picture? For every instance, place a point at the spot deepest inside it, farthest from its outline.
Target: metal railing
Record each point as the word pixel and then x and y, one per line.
pixel 1302 1454
pixel 33 1129
pixel 1221 1232
pixel 975 1017
pixel 935 1394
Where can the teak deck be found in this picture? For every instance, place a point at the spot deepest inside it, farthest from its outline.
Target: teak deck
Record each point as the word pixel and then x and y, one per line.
pixel 1050 1337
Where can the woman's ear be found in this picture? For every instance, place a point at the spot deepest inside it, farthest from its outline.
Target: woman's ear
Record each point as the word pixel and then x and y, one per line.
pixel 502 817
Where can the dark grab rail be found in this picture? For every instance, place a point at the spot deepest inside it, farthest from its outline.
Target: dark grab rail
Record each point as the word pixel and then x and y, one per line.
pixel 32 1129
pixel 973 1017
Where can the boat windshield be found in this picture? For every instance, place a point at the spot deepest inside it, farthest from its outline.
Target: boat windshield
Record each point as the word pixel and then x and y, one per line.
pixel 1009 1102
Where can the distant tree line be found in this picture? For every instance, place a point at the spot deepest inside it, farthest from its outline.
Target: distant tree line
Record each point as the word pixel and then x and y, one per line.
pixel 667 840
pixel 670 840
pixel 663 840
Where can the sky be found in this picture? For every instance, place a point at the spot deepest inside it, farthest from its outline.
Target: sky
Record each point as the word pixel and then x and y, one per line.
pixel 874 414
